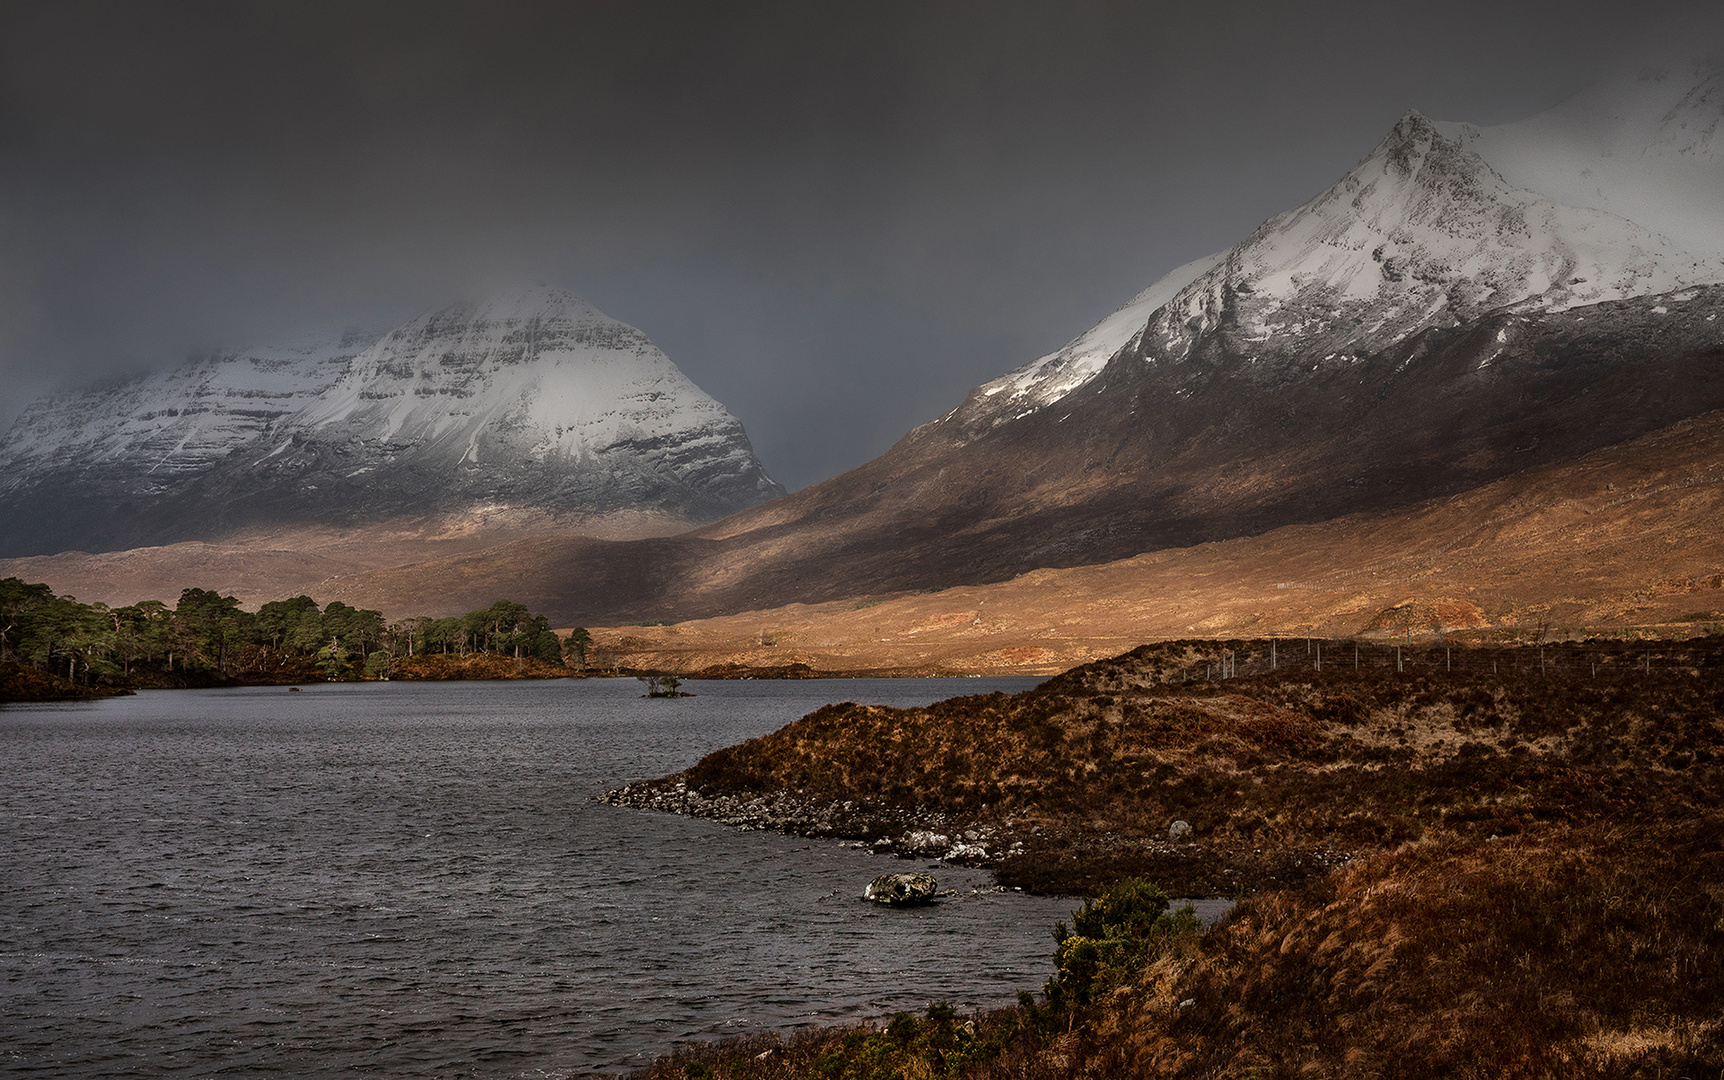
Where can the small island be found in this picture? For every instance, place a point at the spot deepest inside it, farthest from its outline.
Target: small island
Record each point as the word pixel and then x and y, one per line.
pixel 663 686
pixel 902 890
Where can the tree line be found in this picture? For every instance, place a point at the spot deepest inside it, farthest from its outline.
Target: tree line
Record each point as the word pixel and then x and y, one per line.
pixel 207 634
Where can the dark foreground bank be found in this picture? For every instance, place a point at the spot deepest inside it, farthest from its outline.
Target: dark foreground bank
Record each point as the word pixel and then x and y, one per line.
pixel 1512 864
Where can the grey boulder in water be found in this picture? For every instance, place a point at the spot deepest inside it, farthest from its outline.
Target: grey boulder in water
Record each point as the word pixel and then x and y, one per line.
pixel 900 890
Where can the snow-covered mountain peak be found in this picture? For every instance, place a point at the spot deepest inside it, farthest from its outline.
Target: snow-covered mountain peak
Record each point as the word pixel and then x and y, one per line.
pixel 543 371
pixel 1425 231
pixel 1422 232
pixel 533 401
pixel 514 327
pixel 1399 160
pixel 1423 221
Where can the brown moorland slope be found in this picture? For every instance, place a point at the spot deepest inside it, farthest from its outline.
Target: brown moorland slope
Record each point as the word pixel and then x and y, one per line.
pixel 262 565
pixel 1627 536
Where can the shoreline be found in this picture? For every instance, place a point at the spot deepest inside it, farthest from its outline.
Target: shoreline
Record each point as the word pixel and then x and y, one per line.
pixel 1029 858
pixel 49 687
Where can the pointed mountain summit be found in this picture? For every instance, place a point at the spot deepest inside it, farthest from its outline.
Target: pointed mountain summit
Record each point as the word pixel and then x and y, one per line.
pixel 530 405
pixel 1421 234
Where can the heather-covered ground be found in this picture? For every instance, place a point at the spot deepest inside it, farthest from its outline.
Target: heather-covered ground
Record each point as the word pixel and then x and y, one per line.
pixel 1462 863
pixel 1280 775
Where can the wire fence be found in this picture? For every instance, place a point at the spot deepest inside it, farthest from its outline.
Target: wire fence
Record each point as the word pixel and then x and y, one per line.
pixel 1563 660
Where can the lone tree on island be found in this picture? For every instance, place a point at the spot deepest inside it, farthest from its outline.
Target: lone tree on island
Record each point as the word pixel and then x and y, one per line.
pixel 663 686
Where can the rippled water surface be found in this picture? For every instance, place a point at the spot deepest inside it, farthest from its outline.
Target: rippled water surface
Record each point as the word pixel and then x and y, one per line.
pixel 413 880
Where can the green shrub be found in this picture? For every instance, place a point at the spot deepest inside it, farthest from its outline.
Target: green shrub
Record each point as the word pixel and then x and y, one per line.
pixel 1113 934
pixel 902 1029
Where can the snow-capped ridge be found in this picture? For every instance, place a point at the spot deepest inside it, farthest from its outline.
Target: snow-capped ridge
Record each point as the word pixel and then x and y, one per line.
pixel 545 373
pixel 1052 377
pixel 1425 231
pixel 533 400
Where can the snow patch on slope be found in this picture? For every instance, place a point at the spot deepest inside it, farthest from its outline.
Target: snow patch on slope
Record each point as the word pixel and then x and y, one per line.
pixel 1052 377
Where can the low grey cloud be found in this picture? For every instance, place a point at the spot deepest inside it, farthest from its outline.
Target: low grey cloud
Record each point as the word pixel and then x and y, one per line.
pixel 836 219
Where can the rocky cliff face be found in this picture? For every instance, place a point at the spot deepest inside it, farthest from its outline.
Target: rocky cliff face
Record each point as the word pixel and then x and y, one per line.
pixel 535 402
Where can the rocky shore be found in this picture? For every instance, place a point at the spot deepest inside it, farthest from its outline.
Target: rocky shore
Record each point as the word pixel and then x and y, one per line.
pixel 1029 857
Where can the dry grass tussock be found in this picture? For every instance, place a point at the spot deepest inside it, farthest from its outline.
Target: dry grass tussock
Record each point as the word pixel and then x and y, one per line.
pixel 1572 952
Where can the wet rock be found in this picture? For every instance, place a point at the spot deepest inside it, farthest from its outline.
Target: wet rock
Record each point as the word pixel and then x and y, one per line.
pixel 927 842
pixel 901 890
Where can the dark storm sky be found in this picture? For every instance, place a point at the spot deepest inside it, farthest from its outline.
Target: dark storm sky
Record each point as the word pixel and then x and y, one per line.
pixel 837 218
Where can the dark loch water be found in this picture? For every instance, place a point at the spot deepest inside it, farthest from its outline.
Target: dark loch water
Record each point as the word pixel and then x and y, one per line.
pixel 412 880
